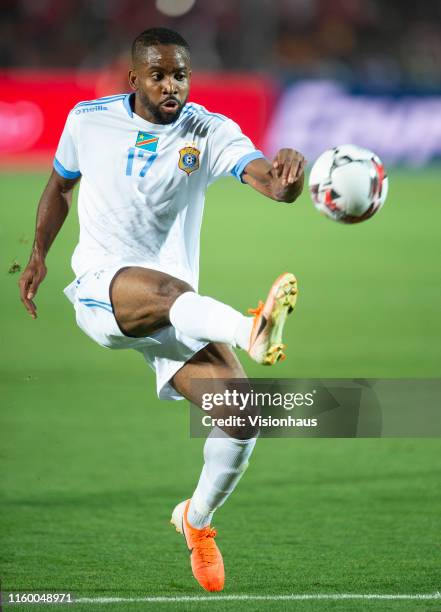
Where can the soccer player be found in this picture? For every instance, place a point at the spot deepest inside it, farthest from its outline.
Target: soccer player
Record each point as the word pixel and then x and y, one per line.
pixel 145 160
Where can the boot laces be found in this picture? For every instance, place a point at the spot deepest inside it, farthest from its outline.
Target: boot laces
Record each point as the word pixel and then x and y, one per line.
pixel 206 546
pixel 258 310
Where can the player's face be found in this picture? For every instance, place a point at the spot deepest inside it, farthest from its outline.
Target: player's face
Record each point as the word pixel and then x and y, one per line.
pixel 161 79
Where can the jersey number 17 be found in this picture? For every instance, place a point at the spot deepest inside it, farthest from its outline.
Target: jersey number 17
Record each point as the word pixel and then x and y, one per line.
pixel 139 154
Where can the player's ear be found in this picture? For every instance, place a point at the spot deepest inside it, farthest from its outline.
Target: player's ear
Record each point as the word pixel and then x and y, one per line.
pixel 133 79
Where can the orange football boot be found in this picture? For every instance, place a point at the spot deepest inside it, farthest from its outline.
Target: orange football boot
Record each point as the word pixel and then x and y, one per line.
pixel 206 559
pixel 269 319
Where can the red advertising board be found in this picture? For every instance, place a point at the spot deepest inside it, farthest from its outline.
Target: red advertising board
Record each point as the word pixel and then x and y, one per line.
pixel 34 106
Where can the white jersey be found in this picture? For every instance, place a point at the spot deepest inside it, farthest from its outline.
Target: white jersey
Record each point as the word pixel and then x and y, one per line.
pixel 143 185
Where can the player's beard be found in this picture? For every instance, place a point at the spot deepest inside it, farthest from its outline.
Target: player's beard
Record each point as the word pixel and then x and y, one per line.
pixel 155 109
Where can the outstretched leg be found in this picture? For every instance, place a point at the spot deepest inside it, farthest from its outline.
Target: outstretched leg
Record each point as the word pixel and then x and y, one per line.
pixel 145 300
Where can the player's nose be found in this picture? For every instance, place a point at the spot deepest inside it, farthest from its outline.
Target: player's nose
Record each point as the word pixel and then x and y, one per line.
pixel 169 86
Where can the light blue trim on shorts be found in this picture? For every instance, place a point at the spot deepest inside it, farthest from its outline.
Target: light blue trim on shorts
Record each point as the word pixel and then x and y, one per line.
pixel 91 303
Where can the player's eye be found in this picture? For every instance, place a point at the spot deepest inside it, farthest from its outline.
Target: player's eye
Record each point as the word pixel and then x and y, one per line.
pixel 180 76
pixel 157 76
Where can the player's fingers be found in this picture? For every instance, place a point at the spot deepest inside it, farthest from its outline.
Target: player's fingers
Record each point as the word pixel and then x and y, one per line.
pixel 28 304
pixel 31 308
pixel 25 284
pixel 278 163
pixel 287 168
pixel 293 170
pixel 289 165
pixel 33 287
pixel 297 168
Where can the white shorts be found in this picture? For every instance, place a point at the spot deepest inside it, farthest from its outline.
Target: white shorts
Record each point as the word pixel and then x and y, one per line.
pixel 165 351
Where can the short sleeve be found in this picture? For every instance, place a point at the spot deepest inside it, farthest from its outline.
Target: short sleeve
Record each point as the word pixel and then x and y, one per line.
pixel 230 151
pixel 66 158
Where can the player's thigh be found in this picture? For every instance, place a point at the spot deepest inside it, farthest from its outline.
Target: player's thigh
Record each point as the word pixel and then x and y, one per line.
pixel 142 298
pixel 218 365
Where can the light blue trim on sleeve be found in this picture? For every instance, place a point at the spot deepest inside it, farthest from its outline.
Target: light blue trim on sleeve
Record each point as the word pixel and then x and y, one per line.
pixel 61 170
pixel 243 161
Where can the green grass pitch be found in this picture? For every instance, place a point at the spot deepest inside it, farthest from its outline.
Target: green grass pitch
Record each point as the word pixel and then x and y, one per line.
pixel 92 463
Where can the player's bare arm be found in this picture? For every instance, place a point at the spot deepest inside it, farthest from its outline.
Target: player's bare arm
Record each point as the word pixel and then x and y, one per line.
pixel 52 211
pixel 282 180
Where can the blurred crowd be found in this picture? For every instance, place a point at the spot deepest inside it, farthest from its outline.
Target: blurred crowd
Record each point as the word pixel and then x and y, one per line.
pixel 377 43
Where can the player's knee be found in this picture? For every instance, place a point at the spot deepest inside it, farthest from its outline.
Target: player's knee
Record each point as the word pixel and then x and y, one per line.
pixel 170 289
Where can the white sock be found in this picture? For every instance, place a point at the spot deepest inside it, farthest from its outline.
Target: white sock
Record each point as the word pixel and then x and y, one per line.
pixel 203 318
pixel 226 459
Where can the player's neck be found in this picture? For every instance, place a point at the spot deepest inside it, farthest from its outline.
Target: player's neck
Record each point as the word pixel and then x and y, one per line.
pixel 141 111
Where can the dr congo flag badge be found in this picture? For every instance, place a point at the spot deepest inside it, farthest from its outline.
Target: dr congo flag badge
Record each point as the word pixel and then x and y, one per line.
pixel 146 141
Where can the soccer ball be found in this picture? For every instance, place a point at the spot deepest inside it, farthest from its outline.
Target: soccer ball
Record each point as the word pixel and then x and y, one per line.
pixel 348 184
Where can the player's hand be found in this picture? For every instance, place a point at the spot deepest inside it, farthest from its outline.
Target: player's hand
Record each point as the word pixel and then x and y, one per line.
pixel 288 172
pixel 289 165
pixel 29 282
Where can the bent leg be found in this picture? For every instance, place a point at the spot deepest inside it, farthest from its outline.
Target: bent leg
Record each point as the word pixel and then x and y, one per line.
pixel 227 451
pixel 146 300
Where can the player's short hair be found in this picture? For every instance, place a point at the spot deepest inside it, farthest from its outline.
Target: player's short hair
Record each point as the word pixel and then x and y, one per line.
pixel 157 36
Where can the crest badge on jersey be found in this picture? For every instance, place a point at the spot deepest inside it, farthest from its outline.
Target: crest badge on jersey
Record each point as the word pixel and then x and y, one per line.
pixel 189 159
pixel 146 141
